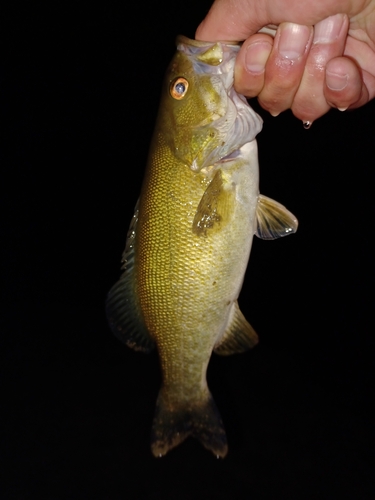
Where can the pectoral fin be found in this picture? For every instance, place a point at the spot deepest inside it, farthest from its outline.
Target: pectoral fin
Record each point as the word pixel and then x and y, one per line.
pixel 273 219
pixel 122 307
pixel 239 335
pixel 216 206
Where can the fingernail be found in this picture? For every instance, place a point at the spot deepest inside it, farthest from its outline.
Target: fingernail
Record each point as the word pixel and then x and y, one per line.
pixel 328 30
pixel 256 57
pixel 343 109
pixel 293 40
pixel 335 81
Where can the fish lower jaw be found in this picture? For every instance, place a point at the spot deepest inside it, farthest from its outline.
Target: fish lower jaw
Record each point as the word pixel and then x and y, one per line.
pixel 237 153
pixel 212 166
pixel 233 155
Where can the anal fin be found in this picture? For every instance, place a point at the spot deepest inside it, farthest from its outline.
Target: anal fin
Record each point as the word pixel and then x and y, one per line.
pixel 239 335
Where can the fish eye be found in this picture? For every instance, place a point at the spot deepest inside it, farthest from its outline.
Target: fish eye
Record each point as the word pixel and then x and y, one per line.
pixel 179 87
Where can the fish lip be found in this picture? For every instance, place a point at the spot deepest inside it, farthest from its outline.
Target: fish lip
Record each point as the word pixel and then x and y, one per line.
pixel 181 39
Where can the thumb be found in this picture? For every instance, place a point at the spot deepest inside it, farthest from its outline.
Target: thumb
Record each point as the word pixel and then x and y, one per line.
pixel 236 20
pixel 233 20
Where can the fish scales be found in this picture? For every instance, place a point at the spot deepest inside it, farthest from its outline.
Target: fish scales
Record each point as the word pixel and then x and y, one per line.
pixel 201 292
pixel 189 242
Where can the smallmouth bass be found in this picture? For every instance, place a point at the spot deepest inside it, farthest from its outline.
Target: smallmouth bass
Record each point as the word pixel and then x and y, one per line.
pixel 189 241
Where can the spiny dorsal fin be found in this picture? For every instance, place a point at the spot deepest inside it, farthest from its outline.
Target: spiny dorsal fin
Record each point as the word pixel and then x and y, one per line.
pixel 239 335
pixel 273 219
pixel 122 307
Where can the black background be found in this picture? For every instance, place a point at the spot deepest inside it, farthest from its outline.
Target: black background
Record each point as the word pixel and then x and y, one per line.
pixel 79 91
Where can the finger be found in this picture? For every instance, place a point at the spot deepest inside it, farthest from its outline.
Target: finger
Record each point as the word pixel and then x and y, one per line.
pixel 250 64
pixel 285 66
pixel 329 42
pixel 364 56
pixel 344 86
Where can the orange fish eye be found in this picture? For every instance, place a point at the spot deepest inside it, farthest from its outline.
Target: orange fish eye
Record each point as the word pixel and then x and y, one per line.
pixel 179 87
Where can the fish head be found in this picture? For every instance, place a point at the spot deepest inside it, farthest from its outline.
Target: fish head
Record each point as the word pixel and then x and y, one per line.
pixel 203 119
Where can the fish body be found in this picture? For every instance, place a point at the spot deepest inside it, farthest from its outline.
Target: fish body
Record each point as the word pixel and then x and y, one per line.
pixel 189 242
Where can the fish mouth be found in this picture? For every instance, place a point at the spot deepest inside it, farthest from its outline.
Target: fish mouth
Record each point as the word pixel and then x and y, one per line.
pixel 237 127
pixel 238 124
pixel 245 123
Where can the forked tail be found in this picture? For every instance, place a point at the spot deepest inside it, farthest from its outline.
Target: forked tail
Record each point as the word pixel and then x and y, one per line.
pixel 200 419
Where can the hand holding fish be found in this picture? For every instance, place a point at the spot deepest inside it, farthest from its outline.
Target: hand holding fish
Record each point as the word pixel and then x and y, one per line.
pixel 326 59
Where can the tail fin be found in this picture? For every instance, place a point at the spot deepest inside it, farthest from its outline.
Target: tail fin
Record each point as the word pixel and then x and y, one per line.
pixel 200 419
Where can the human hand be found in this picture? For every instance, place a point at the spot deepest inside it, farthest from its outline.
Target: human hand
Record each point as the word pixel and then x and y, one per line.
pixel 322 56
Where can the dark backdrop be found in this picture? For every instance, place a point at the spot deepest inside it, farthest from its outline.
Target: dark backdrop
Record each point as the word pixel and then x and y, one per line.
pixel 79 90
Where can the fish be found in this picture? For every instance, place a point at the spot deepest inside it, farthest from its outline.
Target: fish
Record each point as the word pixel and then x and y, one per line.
pixel 189 240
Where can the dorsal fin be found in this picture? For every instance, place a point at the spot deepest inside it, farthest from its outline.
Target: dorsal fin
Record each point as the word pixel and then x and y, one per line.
pixel 239 335
pixel 123 310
